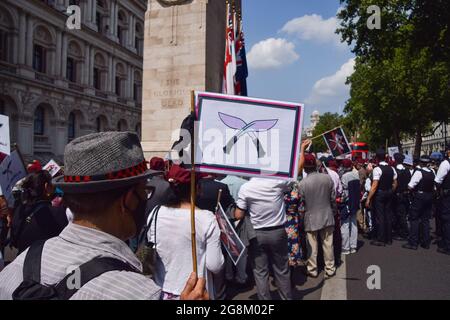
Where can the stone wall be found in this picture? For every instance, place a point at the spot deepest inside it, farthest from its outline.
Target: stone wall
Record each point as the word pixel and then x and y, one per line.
pixel 183 51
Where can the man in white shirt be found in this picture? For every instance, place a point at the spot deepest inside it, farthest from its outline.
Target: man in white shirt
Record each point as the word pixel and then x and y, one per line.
pixel 400 205
pixel 383 185
pixel 422 183
pixel 264 200
pixel 443 183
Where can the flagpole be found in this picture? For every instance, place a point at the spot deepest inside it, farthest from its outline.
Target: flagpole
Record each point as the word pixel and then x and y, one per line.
pixel 193 238
pixel 325 133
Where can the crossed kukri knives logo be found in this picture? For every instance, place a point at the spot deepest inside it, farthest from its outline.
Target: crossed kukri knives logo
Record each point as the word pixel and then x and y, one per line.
pixel 244 128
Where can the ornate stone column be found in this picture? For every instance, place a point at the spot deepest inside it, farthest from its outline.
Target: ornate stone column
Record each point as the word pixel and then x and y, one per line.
pixel 183 50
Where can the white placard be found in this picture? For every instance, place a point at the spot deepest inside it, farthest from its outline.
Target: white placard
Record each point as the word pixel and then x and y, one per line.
pixel 52 167
pixel 5 146
pixel 247 136
pixel 392 151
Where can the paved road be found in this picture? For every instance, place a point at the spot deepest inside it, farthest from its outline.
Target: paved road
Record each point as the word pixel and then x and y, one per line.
pixel 405 275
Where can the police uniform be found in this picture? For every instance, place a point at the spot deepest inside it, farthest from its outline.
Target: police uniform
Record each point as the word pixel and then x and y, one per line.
pixel 422 184
pixel 401 202
pixel 383 201
pixel 443 181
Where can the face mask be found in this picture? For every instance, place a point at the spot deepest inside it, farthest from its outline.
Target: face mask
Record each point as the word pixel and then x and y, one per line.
pixel 138 213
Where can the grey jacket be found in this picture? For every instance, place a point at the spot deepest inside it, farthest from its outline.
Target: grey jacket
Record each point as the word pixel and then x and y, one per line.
pixel 317 190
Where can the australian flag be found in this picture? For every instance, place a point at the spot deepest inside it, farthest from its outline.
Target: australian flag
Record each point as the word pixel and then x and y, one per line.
pixel 241 63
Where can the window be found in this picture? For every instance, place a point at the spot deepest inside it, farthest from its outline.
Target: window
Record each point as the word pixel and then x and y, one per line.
pixel 39 58
pixel 3 45
pixel 99 124
pixel 135 91
pixel 74 2
pixel 39 121
pixel 136 44
pixel 119 126
pixel 71 127
pixel 118 83
pixel 97 78
pixel 119 33
pixel 2 107
pixel 98 21
pixel 71 70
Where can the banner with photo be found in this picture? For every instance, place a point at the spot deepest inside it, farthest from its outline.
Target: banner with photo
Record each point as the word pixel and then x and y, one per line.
pixel 247 136
pixel 12 170
pixel 52 167
pixel 5 146
pixel 337 142
pixel 228 236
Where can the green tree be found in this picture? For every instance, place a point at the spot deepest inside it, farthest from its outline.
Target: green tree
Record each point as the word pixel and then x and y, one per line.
pixel 402 78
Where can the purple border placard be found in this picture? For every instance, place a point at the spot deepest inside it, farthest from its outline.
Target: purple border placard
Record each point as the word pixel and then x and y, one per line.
pixel 292 105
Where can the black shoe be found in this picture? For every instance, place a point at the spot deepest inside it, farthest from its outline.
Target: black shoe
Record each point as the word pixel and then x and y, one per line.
pixel 389 243
pixel 409 246
pixel 425 246
pixel 442 250
pixel 398 238
pixel 377 243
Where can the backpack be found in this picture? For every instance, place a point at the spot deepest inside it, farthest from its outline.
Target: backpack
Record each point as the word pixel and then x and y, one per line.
pixel 20 219
pixel 32 289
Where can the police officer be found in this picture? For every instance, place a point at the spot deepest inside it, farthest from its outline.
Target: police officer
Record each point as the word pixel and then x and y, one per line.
pixel 443 183
pixel 401 199
pixel 383 185
pixel 422 186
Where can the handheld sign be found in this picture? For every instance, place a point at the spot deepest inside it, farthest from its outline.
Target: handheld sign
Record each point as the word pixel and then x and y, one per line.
pixel 228 236
pixel 247 136
pixel 11 171
pixel 5 146
pixel 392 151
pixel 337 142
pixel 52 167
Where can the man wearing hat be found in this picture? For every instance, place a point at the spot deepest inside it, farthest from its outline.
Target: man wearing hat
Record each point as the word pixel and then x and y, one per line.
pixel 422 185
pixel 443 183
pixel 383 185
pixel 105 187
pixel 318 192
pixel 400 204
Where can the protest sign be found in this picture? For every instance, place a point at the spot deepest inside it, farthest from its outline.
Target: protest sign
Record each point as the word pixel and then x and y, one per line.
pixel 337 142
pixel 5 146
pixel 392 151
pixel 408 160
pixel 12 170
pixel 247 136
pixel 52 167
pixel 228 236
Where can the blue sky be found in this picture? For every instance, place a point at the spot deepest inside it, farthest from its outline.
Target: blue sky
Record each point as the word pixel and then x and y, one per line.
pixel 294 54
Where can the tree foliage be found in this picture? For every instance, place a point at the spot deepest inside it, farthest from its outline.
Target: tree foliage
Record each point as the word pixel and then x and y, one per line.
pixel 401 83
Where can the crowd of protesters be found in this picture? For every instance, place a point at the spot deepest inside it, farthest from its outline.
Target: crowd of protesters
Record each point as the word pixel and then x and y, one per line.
pixel 127 224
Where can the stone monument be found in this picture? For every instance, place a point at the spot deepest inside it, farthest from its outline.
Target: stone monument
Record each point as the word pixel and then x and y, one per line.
pixel 184 50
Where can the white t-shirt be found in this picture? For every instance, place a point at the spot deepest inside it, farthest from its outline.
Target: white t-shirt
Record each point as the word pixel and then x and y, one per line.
pixel 377 172
pixel 173 245
pixel 264 199
pixel 444 169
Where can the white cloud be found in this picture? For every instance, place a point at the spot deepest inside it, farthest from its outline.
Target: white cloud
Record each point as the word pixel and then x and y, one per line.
pixel 271 54
pixel 332 91
pixel 314 28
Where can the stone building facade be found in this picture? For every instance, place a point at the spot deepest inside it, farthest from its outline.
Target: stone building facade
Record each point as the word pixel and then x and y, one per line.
pixel 431 143
pixel 57 84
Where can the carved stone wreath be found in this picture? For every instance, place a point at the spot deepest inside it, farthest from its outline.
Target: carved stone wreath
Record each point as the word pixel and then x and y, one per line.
pixel 172 2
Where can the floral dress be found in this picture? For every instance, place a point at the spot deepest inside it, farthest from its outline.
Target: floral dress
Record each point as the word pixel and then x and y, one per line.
pixel 293 223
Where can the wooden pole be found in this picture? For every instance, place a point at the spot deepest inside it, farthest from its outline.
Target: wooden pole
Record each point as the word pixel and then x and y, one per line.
pixel 193 238
pixel 218 199
pixel 316 137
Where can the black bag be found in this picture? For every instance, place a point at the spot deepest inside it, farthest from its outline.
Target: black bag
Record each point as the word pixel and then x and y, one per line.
pixel 20 218
pixel 146 252
pixel 32 289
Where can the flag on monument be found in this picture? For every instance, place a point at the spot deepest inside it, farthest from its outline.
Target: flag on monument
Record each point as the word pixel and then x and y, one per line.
pixel 229 71
pixel 337 142
pixel 241 62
